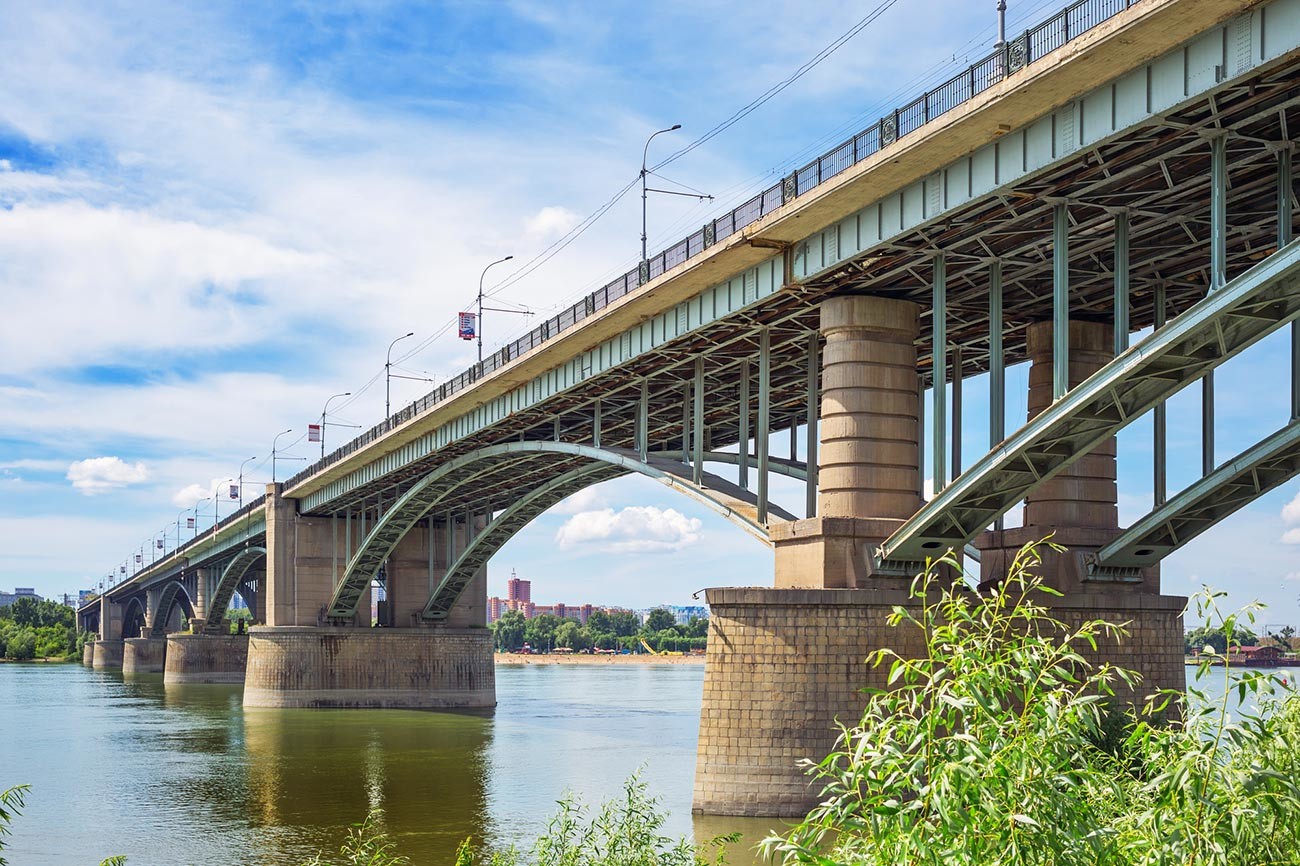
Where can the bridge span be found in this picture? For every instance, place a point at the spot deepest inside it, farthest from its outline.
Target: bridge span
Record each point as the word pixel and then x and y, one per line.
pixel 1108 197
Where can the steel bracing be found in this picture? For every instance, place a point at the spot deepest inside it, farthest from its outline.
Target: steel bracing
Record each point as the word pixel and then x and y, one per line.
pixel 1220 326
pixel 1263 467
pixel 231 576
pixel 173 593
pixel 510 461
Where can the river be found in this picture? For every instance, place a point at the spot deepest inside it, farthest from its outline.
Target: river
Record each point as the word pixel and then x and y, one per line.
pixel 185 775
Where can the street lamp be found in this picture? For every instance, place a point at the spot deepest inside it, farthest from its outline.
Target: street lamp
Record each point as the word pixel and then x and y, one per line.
pixel 645 172
pixel 241 480
pixel 196 514
pixel 388 365
pixel 274 443
pixel 478 325
pixel 325 411
pixel 178 527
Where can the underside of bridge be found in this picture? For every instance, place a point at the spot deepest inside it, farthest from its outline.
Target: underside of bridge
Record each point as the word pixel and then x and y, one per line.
pixel 1122 266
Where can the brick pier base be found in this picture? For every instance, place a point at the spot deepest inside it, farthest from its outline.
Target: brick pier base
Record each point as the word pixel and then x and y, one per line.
pixel 303 666
pixel 144 655
pixel 784 664
pixel 107 655
pixel 205 658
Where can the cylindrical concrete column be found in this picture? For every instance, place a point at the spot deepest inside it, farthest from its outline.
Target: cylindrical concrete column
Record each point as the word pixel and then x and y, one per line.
pixel 868 464
pixel 1085 495
pixel 107 654
pixel 88 653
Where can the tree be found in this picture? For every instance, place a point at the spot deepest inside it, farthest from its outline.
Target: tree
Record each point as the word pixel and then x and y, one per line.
pixel 22 646
pixel 600 622
pixel 509 630
pixel 698 626
pixel 659 619
pixel 540 631
pixel 624 623
pixel 1215 637
pixel 572 635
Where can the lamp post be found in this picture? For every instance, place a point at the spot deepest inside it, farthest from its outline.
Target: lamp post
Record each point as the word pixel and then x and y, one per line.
pixel 388 366
pixel 241 480
pixel 645 257
pixel 178 527
pixel 275 442
pixel 196 514
pixel 478 324
pixel 325 411
pixel 1002 26
pixel 216 502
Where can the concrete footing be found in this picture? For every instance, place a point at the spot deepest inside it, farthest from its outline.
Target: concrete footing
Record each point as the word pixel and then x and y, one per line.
pixel 144 655
pixel 204 658
pixel 784 664
pixel 88 653
pixel 107 655
pixel 303 666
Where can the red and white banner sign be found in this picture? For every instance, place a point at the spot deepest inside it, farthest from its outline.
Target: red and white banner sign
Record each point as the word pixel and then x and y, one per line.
pixel 234 491
pixel 158 542
pixel 466 330
pixel 313 432
pixel 139 558
pixel 189 523
pixel 123 569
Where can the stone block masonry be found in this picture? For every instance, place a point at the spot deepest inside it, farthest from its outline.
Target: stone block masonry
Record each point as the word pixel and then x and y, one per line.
pixel 785 664
pixel 88 653
pixel 144 655
pixel 107 655
pixel 205 658
pixel 370 667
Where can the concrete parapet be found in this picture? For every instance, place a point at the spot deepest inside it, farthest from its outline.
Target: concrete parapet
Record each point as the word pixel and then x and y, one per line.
pixel 205 658
pixel 144 655
pixel 88 653
pixel 391 667
pixel 107 654
pixel 785 664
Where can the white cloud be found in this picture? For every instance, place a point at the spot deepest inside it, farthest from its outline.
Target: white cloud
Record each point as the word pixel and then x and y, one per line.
pixel 1292 575
pixel 1291 511
pixel 586 499
pixel 1291 536
pixel 188 497
pixel 549 223
pixel 102 474
pixel 639 529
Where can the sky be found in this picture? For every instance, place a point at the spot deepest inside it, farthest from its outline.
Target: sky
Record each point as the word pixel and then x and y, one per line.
pixel 215 216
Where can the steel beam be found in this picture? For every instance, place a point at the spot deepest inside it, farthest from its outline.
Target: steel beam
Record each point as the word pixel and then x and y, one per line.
pixel 697 392
pixel 1239 482
pixel 811 409
pixel 1122 277
pixel 1285 221
pixel 1220 326
pixel 956 410
pixel 1160 417
pixel 764 417
pixel 643 420
pixel 743 463
pixel 219 600
pixel 939 372
pixel 997 364
pixel 1060 300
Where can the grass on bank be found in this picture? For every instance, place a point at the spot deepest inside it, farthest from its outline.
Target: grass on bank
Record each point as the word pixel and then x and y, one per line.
pixel 1003 745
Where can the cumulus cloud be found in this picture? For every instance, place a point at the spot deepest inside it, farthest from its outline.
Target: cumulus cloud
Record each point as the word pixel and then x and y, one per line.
pixel 188 497
pixel 102 474
pixel 550 222
pixel 1291 511
pixel 1292 575
pixel 1291 536
pixel 635 529
pixel 586 499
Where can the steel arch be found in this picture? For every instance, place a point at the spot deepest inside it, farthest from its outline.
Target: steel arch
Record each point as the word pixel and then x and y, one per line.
pixel 168 597
pixel 719 495
pixel 231 575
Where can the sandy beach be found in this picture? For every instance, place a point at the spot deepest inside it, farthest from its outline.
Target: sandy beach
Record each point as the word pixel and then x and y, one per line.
pixel 578 659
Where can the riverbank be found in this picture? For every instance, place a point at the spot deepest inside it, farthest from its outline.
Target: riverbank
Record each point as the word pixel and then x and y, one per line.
pixel 583 659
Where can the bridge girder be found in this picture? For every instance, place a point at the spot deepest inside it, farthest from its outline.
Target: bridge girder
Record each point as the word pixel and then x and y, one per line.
pixel 231 575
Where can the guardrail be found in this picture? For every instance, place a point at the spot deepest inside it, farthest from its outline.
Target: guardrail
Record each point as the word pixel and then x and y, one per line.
pixel 1066 25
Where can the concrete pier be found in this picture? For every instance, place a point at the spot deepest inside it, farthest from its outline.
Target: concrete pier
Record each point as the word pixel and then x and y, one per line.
pixel 88 653
pixel 202 658
pixel 377 667
pixel 144 655
pixel 107 655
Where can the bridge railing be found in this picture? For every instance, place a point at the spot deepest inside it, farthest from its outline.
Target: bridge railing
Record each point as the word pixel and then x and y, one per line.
pixel 1019 51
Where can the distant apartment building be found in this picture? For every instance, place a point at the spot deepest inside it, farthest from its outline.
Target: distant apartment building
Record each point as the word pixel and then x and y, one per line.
pixel 519 596
pixel 519 591
pixel 8 598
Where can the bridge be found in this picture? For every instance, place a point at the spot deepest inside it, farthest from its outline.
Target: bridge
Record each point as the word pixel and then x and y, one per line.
pixel 1107 196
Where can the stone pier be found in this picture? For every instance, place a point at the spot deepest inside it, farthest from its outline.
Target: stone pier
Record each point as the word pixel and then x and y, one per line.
pixel 88 653
pixel 205 658
pixel 107 655
pixel 294 666
pixel 144 655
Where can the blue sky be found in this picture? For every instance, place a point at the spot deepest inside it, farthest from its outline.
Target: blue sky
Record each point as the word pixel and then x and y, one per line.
pixel 213 218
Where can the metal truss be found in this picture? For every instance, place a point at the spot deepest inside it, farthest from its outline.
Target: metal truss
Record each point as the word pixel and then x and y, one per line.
pixel 504 527
pixel 1215 329
pixel 1239 482
pixel 729 500
pixel 231 575
pixel 168 597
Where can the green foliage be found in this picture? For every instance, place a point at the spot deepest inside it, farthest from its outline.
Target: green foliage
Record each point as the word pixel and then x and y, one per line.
pixel 659 619
pixel 509 630
pixel 37 629
pixel 12 802
pixel 627 831
pixel 1216 637
pixel 1002 745
pixel 366 845
pixel 539 633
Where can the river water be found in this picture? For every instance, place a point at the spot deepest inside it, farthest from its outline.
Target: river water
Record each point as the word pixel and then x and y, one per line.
pixel 185 775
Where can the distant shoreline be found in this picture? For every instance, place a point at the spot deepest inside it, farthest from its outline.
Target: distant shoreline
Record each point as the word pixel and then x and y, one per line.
pixel 583 659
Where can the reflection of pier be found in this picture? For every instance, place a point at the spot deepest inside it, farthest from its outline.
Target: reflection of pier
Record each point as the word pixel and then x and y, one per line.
pixel 1125 166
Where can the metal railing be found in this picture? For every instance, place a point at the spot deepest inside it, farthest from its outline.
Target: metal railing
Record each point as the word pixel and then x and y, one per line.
pixel 1066 25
